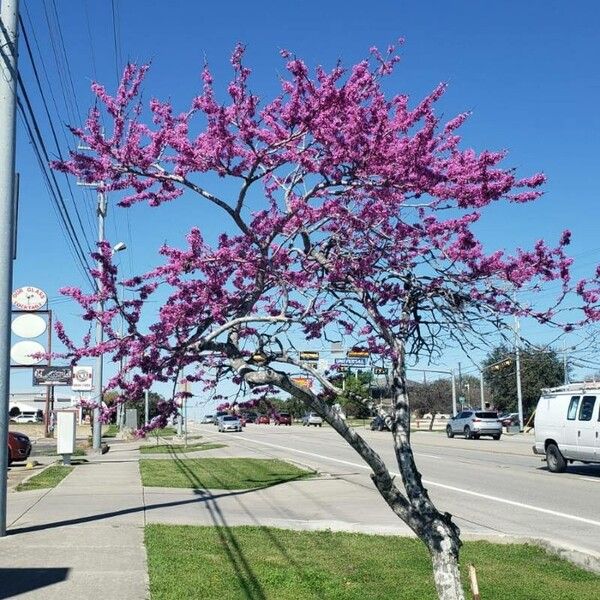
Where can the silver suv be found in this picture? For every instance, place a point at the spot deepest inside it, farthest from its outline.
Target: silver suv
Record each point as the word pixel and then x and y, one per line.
pixel 475 423
pixel 312 419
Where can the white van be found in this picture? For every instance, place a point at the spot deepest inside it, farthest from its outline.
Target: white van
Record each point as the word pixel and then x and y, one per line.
pixel 567 425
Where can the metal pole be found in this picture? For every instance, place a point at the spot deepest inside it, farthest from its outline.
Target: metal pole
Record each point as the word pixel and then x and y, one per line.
pixel 9 10
pixel 97 439
pixel 565 365
pixel 146 407
pixel 518 365
pixel 454 411
pixel 185 424
pixel 481 389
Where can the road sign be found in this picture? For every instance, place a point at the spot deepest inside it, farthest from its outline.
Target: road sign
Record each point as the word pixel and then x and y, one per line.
pixel 52 375
pixel 351 362
pixel 309 355
pixel 82 379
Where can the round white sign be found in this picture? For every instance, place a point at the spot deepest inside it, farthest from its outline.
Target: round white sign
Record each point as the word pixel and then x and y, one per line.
pixel 21 352
pixel 28 326
pixel 29 298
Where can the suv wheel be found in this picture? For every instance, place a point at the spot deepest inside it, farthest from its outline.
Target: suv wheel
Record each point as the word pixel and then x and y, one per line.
pixel 497 436
pixel 556 461
pixel 468 435
pixel 449 432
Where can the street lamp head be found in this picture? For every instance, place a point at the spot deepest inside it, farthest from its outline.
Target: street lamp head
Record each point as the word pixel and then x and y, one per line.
pixel 119 246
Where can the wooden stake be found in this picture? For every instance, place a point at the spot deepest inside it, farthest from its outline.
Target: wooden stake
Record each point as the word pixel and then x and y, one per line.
pixel 474 584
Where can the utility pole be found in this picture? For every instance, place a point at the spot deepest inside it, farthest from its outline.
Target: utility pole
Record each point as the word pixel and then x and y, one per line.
pixel 518 366
pixel 454 412
pixel 565 364
pixel 97 434
pixel 9 15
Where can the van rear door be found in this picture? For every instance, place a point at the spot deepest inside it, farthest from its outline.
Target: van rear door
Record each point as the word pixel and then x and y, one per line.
pixel 586 428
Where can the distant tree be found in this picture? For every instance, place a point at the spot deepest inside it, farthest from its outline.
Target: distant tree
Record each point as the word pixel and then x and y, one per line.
pixel 540 368
pixel 356 393
pixel 431 397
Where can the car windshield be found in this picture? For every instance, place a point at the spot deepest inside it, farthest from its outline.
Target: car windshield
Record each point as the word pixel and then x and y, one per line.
pixel 230 418
pixel 486 415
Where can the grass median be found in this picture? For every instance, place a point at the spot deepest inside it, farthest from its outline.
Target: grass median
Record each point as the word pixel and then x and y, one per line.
pixel 275 564
pixel 219 473
pixel 178 448
pixel 48 478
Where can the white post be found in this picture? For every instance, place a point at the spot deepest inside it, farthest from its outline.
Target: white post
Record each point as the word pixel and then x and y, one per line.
pixel 454 411
pixel 481 389
pixel 146 407
pixel 518 365
pixel 9 11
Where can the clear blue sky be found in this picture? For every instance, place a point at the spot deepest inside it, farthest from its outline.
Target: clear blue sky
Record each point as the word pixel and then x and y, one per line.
pixel 527 70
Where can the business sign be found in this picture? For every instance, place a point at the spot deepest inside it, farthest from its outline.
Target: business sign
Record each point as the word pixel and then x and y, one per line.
pixel 309 355
pixel 351 362
pixel 52 375
pixel 29 298
pixel 82 379
pixel 357 352
pixel 380 371
pixel 310 365
pixel 302 381
pixel 27 353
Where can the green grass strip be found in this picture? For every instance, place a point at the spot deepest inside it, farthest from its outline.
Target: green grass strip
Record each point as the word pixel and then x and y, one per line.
pixel 175 448
pixel 48 478
pixel 219 473
pixel 263 563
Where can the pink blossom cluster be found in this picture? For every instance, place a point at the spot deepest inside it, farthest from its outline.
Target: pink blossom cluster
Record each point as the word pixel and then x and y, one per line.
pixel 364 228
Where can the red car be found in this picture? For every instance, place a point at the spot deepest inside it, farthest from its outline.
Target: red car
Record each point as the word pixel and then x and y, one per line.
pixel 283 419
pixel 19 447
pixel 263 420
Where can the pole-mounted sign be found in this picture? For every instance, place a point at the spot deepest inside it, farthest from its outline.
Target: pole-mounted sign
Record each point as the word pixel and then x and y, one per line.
pixel 52 375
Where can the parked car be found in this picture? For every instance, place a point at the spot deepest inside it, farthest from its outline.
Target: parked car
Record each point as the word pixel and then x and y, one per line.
pixel 229 423
pixel 283 419
pixel 312 418
pixel 509 419
pixel 208 419
pixel 19 447
pixel 250 417
pixel 27 417
pixel 567 426
pixel 379 424
pixel 475 423
pixel 263 420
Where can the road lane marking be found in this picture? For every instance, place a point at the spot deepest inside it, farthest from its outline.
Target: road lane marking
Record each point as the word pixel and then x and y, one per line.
pixel 539 509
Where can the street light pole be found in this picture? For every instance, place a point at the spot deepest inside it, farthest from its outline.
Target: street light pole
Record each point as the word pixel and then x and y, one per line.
pixel 97 433
pixel 9 11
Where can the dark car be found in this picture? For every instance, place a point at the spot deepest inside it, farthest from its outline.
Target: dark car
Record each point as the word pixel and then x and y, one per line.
pixel 19 447
pixel 263 420
pixel 283 419
pixel 250 417
pixel 379 424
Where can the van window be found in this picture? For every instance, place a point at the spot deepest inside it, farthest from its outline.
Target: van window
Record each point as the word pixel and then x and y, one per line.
pixel 587 408
pixel 573 408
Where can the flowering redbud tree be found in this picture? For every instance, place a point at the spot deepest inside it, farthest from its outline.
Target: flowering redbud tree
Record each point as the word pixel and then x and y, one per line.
pixel 352 218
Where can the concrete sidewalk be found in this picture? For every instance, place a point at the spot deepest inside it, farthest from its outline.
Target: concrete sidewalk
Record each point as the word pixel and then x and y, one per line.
pixel 81 539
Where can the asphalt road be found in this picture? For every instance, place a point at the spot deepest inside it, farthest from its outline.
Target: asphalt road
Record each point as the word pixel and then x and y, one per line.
pixel 490 487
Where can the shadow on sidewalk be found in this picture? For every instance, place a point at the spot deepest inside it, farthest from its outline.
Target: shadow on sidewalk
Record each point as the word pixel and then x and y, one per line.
pixel 20 581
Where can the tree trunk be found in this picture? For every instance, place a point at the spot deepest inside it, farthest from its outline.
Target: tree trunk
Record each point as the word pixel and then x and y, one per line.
pixel 446 574
pixel 433 413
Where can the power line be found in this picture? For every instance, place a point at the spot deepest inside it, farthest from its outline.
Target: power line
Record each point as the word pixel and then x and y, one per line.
pixel 55 137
